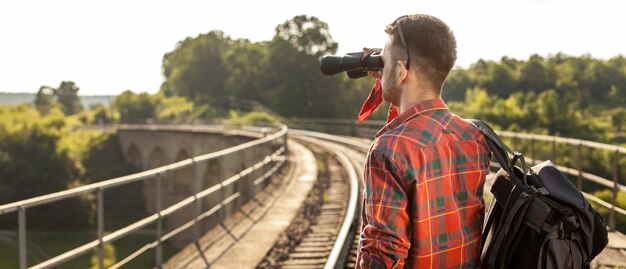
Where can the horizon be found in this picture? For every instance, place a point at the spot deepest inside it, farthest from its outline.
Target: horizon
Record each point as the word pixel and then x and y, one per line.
pixel 111 56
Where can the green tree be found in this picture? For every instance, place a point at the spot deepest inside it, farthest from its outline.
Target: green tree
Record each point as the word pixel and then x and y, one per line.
pixel 248 68
pixel 457 83
pixel 618 119
pixel 33 163
pixel 534 75
pixel 307 34
pixel 297 87
pixel 67 96
pixel 44 100
pixel 501 81
pixel 196 69
pixel 133 107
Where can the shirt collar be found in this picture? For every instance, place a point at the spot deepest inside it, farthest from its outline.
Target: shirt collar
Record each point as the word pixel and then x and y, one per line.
pixel 422 107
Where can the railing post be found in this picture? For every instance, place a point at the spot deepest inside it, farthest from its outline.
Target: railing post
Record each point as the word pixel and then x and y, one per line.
pixel 285 143
pixel 256 151
pixel 532 150
pixel 240 185
pixel 222 190
pixel 197 204
pixel 159 231
pixel 21 226
pixel 554 156
pixel 615 189
pixel 100 228
pixel 580 164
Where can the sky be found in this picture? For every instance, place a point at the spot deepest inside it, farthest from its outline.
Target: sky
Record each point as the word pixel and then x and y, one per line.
pixel 107 47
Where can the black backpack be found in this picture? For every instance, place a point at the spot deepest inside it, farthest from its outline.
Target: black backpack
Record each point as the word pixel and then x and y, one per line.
pixel 538 218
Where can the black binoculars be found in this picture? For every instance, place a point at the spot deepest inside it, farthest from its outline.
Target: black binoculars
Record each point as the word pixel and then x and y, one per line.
pixel 355 64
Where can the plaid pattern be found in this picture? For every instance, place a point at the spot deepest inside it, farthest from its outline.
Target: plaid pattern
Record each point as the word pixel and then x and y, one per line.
pixel 423 205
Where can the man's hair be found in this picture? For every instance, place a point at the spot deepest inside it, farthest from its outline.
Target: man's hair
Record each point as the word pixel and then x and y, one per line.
pixel 431 45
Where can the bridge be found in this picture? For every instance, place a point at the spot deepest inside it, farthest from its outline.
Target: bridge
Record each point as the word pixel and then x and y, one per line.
pixel 247 196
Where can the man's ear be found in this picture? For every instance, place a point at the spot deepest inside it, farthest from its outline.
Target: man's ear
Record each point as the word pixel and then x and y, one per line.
pixel 404 73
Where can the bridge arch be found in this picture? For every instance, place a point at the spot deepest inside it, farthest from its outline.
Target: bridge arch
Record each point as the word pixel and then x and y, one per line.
pixel 183 181
pixel 157 158
pixel 134 156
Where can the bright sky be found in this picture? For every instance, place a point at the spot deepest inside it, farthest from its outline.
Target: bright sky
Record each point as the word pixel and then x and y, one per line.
pixel 107 47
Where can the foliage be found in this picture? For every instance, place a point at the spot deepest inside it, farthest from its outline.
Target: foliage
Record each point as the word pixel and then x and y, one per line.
pixel 620 201
pixel 308 35
pixel 217 73
pixel 40 154
pixel 28 139
pixel 67 96
pixel 173 109
pixel 618 118
pixel 108 259
pixel 558 95
pixel 133 108
pixel 44 100
pixel 258 117
pixel 196 69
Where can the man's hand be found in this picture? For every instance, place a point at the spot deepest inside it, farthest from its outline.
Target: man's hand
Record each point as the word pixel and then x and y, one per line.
pixel 372 73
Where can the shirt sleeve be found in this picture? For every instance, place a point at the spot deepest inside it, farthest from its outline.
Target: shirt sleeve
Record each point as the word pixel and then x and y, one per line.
pixel 386 230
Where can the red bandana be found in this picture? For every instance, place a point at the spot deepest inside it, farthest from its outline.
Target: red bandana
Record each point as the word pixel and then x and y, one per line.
pixel 373 101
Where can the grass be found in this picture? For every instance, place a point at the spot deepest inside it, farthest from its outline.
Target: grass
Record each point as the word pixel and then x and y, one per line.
pixel 7 258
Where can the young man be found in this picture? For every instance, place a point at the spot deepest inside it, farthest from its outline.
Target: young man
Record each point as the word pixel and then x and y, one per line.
pixel 424 174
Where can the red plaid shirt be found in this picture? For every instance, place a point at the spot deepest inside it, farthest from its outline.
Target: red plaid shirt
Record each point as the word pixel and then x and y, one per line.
pixel 423 205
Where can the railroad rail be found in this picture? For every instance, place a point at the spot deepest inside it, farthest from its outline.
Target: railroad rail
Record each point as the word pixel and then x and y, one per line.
pixel 330 242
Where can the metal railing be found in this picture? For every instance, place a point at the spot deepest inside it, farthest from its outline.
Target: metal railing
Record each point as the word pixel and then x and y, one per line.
pixel 578 172
pixel 369 128
pixel 277 142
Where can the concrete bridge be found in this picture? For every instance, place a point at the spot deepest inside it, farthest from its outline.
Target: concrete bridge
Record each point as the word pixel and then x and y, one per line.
pixel 153 146
pixel 195 176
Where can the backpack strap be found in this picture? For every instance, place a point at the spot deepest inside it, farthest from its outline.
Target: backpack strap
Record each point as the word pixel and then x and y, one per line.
pixel 486 130
pixel 501 151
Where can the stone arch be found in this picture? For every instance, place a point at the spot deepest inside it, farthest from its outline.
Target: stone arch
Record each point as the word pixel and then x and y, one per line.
pixel 183 178
pixel 133 156
pixel 211 174
pixel 157 158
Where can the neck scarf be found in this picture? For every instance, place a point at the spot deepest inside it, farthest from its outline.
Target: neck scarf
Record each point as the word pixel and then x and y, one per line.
pixel 373 101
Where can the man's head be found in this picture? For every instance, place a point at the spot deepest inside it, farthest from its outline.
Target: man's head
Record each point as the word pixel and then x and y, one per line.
pixel 430 52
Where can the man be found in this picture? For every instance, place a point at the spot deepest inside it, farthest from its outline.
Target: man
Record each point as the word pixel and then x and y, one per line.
pixel 425 171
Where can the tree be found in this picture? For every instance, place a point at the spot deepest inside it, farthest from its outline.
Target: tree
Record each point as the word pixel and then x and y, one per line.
pixel 534 76
pixel 196 70
pixel 618 118
pixel 134 107
pixel 501 81
pixel 44 100
pixel 296 85
pixel 33 163
pixel 307 34
pixel 457 83
pixel 67 96
pixel 247 65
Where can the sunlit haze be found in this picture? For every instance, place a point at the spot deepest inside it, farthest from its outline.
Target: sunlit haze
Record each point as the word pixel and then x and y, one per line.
pixel 107 47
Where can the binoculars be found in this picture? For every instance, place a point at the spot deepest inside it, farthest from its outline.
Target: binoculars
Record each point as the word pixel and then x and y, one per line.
pixel 355 64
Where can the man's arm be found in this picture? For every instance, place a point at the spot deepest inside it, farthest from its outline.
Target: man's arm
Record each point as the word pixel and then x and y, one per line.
pixel 385 237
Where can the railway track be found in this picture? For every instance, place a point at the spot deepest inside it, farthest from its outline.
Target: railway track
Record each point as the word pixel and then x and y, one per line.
pixel 332 238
